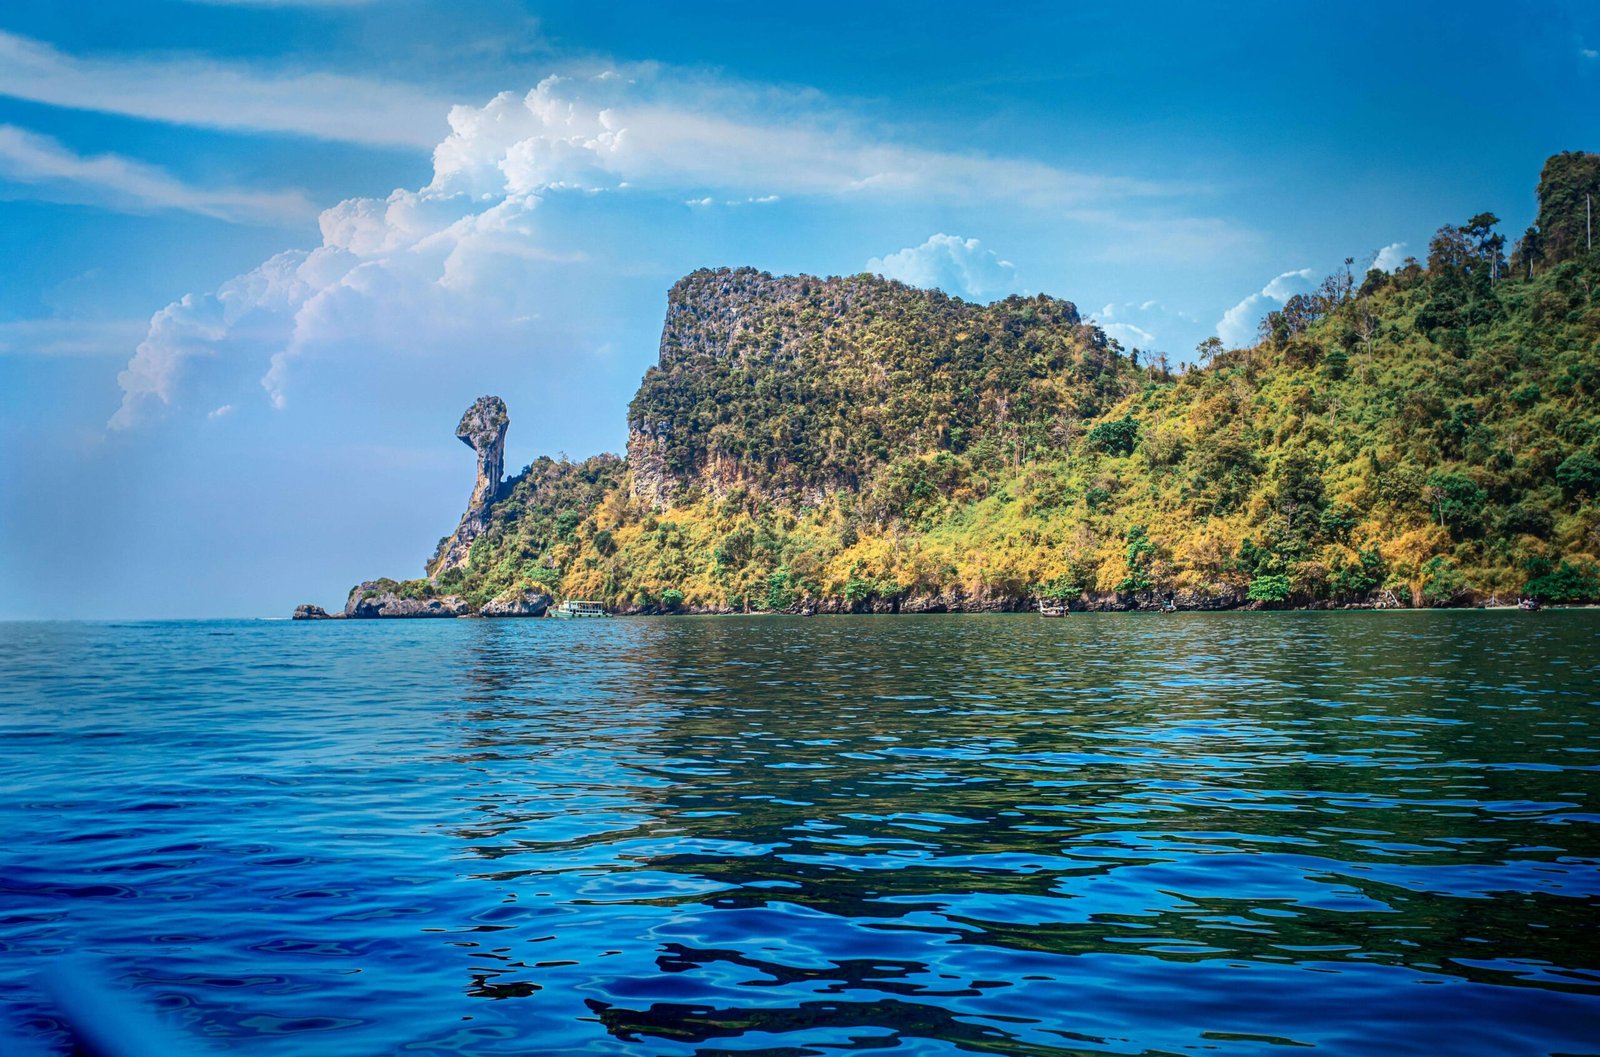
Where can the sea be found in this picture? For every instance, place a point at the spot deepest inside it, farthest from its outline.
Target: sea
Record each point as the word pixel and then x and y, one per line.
pixel 1347 833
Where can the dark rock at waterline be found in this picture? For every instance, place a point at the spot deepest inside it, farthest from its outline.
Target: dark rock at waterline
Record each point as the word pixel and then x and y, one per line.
pixel 311 612
pixel 371 600
pixel 514 603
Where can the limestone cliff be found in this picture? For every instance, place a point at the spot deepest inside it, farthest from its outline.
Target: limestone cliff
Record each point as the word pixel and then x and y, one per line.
pixel 798 388
pixel 483 429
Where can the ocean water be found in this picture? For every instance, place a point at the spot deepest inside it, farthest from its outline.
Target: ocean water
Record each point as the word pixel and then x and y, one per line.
pixel 1366 833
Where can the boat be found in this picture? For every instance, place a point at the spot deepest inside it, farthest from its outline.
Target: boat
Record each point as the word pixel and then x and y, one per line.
pixel 1529 605
pixel 1053 609
pixel 573 609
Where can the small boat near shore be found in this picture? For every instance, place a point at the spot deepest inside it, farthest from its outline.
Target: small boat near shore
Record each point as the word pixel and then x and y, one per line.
pixel 573 609
pixel 1053 609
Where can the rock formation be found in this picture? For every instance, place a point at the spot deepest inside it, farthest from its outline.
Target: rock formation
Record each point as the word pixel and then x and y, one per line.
pixel 311 612
pixel 526 602
pixel 380 598
pixel 483 429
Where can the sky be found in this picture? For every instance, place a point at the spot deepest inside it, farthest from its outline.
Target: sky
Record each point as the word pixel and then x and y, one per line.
pixel 256 256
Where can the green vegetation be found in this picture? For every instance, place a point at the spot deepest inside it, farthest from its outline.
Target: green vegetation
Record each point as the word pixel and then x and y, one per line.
pixel 854 443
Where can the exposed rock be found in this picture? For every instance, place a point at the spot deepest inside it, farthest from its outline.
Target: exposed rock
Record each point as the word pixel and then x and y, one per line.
pixel 374 599
pixel 514 603
pixel 311 612
pixel 483 429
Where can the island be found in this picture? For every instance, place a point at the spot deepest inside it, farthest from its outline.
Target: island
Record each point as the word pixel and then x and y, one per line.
pixel 1427 436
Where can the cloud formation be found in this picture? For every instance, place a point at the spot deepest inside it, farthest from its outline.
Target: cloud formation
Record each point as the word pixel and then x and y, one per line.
pixel 950 263
pixel 122 184
pixel 319 105
pixel 462 261
pixel 1390 257
pixel 1147 325
pixel 1237 327
pixel 640 128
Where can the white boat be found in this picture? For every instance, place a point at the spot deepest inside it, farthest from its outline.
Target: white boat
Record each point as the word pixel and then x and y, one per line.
pixel 573 609
pixel 1052 609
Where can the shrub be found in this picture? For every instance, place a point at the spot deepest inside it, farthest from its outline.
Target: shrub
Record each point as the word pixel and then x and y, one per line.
pixel 1116 437
pixel 1060 588
pixel 1269 588
pixel 1457 502
pixel 780 591
pixel 1567 582
pixel 1140 552
pixel 1442 582
pixel 1579 474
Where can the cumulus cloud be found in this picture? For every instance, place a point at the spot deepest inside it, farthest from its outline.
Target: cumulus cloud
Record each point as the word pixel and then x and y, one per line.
pixel 463 258
pixel 1237 327
pixel 643 128
pixel 214 94
pixel 949 263
pixel 1390 257
pixel 119 183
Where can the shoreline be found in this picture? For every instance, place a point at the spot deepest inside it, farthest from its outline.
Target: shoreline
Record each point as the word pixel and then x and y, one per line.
pixel 1091 611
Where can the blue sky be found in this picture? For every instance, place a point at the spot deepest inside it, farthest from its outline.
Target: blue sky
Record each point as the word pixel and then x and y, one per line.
pixel 255 257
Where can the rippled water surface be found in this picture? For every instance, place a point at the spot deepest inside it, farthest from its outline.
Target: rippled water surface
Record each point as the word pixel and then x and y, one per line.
pixel 1367 833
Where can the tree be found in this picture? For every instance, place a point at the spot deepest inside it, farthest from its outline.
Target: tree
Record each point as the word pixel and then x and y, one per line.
pixel 1270 588
pixel 1116 437
pixel 1528 252
pixel 1569 191
pixel 1442 582
pixel 1486 243
pixel 1457 502
pixel 1208 350
pixel 1139 554
pixel 1579 474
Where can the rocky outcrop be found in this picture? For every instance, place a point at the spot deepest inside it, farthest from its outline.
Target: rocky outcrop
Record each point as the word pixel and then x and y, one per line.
pixel 796 388
pixel 378 599
pixel 515 603
pixel 483 429
pixel 311 612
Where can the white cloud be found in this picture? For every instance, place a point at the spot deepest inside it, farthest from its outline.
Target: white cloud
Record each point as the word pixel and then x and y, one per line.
pixel 461 262
pixel 1390 257
pixel 949 263
pixel 1129 335
pixel 1237 327
pixel 1589 53
pixel 1148 324
pixel 221 95
pixel 644 128
pixel 123 184
pixel 222 412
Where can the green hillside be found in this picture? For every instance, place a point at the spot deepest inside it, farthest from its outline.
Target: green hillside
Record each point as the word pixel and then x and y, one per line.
pixel 858 444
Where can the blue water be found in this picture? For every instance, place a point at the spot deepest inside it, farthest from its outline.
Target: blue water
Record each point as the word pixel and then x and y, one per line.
pixel 1368 833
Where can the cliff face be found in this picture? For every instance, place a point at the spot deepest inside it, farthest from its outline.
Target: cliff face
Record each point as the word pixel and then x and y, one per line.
pixel 802 387
pixel 483 429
